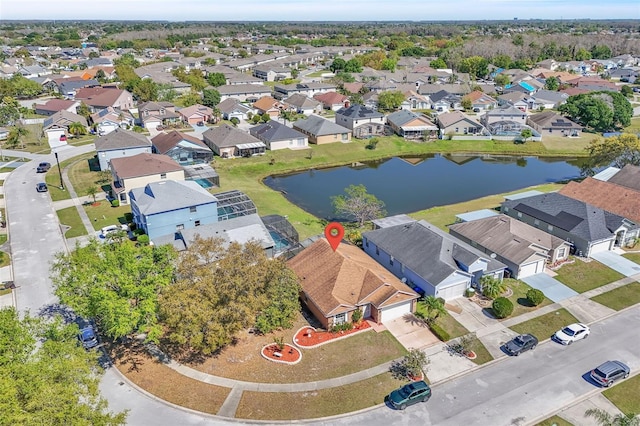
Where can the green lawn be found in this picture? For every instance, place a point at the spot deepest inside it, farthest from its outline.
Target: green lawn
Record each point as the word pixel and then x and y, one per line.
pixel 519 298
pixel 5 259
pixel 70 217
pixel 79 175
pixel 624 395
pixel 544 326
pixel 451 326
pixel 554 421
pixel 620 297
pixel 103 214
pixel 482 354
pixel 3 237
pixel 634 257
pixel 584 276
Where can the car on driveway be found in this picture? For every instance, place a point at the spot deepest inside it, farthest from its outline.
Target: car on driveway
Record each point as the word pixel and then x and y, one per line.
pixel 200 123
pixel 608 372
pixel 410 394
pixel 41 187
pixel 520 344
pixel 571 333
pixel 88 337
pixel 43 168
pixel 104 232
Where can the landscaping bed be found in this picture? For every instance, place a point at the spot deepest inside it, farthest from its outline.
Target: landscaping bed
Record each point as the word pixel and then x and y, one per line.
pixel 308 337
pixel 624 395
pixel 621 297
pixel 319 403
pixel 544 326
pixel 584 276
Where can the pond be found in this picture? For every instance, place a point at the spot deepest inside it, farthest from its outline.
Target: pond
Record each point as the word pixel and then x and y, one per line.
pixel 410 184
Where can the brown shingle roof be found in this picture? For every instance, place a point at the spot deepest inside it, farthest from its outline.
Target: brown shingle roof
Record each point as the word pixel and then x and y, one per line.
pixel 266 103
pixel 143 164
pixel 608 196
pixel 330 98
pixel 55 105
pixel 163 142
pixel 338 281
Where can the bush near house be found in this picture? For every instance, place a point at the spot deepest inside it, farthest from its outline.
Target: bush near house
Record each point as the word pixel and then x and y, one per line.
pixel 502 307
pixel 535 296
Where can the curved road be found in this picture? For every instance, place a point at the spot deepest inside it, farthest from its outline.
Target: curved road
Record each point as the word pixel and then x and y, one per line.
pixel 514 391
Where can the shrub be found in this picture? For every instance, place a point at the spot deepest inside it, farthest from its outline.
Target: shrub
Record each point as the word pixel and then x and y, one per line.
pixel 115 203
pixel 345 326
pixel 535 296
pixel 356 316
pixel 414 363
pixel 143 239
pixel 502 307
pixel 439 332
pixel 373 143
pixel 128 217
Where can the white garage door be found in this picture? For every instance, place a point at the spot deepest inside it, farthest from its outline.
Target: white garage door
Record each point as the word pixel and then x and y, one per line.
pixel 448 293
pixel 600 247
pixel 394 312
pixel 531 269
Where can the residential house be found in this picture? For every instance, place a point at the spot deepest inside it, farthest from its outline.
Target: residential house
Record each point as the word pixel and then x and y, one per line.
pixel 109 119
pixel 139 170
pixel 412 126
pixel 282 91
pixel 278 136
pixel 608 196
pixel 331 100
pixel 227 142
pixel 68 87
pixel 321 131
pixel 588 228
pixel 268 73
pixel 415 101
pixel 524 249
pixel 303 104
pixel 334 284
pixel 444 101
pixel 268 105
pixel 155 114
pixel 195 113
pixel 456 123
pixel 182 148
pixel 243 92
pixel 551 123
pixel 233 108
pixel 480 101
pixel 430 260
pixel 515 99
pixel 169 206
pixel 363 121
pixel 547 99
pixel 505 113
pixel 120 143
pixel 97 98
pixel 595 84
pixel 628 176
pixel 54 105
pixel 56 127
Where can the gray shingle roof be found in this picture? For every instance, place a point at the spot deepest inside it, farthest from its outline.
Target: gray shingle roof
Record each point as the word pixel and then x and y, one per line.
pixel 628 176
pixel 318 126
pixel 167 195
pixel 226 136
pixel 120 138
pixel 274 131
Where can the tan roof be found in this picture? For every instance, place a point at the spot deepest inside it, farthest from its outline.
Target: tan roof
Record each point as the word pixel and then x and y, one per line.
pixel 143 164
pixel 266 103
pixel 341 280
pixel 165 141
pixel 99 96
pixel 330 98
pixel 196 109
pixel 608 196
pixel 449 118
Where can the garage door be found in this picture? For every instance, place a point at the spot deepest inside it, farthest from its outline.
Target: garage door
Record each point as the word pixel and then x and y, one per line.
pixel 600 247
pixel 531 269
pixel 451 292
pixel 394 312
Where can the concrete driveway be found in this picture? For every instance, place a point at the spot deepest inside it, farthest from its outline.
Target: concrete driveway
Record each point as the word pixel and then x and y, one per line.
pixel 617 263
pixel 552 288
pixel 412 332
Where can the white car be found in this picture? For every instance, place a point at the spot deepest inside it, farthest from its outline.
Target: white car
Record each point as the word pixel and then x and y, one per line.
pixel 112 228
pixel 571 333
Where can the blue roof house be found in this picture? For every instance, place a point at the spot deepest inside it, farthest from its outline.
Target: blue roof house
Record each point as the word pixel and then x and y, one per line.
pixel 166 207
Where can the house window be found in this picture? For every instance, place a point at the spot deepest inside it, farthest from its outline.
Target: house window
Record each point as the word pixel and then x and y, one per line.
pixel 456 130
pixel 340 318
pixel 536 222
pixel 562 253
pixel 519 214
pixel 163 176
pixel 550 228
pixel 193 209
pixel 197 223
pixel 391 261
pixel 366 242
pixel 180 227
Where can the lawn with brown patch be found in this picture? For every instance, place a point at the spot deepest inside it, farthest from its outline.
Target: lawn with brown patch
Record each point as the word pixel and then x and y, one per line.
pixel 584 276
pixel 320 403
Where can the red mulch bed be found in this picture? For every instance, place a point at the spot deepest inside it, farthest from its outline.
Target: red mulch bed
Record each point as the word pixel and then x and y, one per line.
pixel 288 354
pixel 304 339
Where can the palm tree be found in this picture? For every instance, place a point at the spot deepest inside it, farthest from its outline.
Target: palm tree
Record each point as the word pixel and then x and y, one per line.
pixel 15 136
pixel 605 419
pixel 492 287
pixel 76 129
pixel 92 191
pixel 434 307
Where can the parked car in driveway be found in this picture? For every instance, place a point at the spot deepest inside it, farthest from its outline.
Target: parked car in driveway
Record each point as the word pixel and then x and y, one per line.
pixel 88 337
pixel 43 168
pixel 608 372
pixel 571 333
pixel 520 344
pixel 410 394
pixel 41 187
pixel 104 232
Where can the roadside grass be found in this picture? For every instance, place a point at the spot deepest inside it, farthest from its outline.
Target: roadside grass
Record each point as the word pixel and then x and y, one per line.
pixel 102 214
pixel 482 354
pixel 621 297
pixel 555 421
pixel 71 218
pixel 519 298
pixel 634 257
pixel 318 403
pixel 3 237
pixel 5 259
pixel 79 177
pixel 584 276
pixel 165 383
pixel 544 326
pixel 442 216
pixel 625 395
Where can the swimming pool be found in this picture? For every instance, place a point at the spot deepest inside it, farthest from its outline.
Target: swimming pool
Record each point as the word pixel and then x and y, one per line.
pixel 204 183
pixel 281 241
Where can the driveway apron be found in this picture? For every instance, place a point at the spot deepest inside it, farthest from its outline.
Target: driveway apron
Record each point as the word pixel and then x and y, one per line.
pixel 617 263
pixel 411 332
pixel 552 288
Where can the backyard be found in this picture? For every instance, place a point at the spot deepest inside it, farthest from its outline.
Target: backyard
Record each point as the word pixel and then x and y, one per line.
pixel 584 276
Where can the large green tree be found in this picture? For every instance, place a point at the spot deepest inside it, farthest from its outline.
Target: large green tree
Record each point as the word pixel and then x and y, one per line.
pixel 210 97
pixel 617 151
pixel 146 90
pixel 358 204
pixel 476 66
pixel 117 284
pixel 217 79
pixel 46 378
pixel 601 111
pixel 223 290
pixel 390 100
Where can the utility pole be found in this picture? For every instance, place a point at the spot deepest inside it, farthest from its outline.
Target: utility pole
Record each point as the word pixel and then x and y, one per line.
pixel 59 171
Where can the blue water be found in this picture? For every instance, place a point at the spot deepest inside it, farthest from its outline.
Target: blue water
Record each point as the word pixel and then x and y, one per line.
pixel 421 183
pixel 204 183
pixel 281 242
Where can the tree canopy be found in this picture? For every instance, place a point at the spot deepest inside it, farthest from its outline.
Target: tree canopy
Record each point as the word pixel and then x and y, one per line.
pixel 117 284
pixel 390 100
pixel 358 204
pixel 617 151
pixel 601 111
pixel 217 79
pixel 46 377
pixel 210 97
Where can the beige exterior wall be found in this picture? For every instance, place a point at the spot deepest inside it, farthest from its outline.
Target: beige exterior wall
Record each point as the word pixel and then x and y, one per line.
pixel 331 138
pixel 142 181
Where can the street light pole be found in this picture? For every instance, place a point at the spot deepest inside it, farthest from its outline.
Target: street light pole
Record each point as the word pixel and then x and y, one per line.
pixel 59 171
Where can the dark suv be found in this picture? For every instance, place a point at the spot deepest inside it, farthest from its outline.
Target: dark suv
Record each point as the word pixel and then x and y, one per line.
pixel 43 168
pixel 410 394
pixel 607 373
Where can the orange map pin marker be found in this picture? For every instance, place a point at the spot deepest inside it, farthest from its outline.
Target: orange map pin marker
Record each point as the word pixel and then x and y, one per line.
pixel 334 233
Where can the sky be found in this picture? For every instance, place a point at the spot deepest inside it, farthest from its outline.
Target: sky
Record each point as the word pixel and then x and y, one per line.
pixel 317 10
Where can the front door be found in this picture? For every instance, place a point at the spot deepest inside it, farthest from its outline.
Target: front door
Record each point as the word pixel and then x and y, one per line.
pixel 366 311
